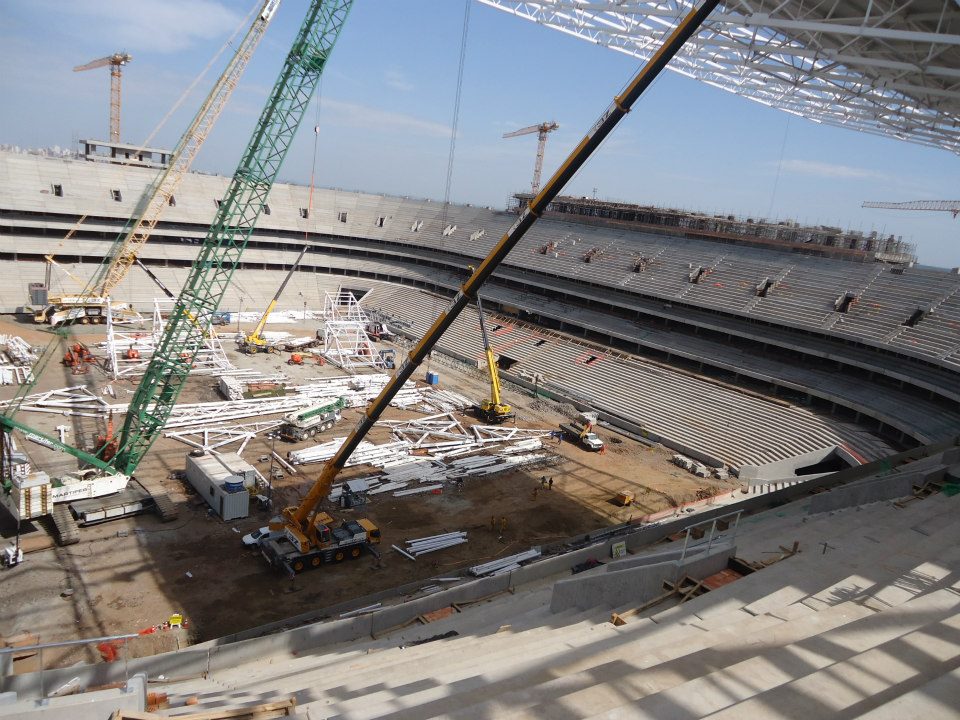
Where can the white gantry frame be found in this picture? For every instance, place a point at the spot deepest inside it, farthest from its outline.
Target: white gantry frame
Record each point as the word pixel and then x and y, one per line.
pixel 886 67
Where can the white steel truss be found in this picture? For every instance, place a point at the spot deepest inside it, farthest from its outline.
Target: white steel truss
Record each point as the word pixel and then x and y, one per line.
pixel 345 338
pixel 343 305
pixel 211 438
pixel 347 344
pixel 129 350
pixel 886 67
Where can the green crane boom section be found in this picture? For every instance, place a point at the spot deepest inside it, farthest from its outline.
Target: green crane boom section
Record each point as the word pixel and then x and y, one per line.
pixel 227 237
pixel 300 516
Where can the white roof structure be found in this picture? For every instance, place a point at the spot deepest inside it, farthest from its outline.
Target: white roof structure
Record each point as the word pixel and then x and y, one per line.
pixel 887 67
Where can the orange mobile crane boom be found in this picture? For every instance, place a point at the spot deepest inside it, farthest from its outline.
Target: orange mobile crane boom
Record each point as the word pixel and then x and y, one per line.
pixel 302 533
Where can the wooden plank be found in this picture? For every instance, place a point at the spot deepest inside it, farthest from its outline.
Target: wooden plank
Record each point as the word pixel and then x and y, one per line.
pixel 263 711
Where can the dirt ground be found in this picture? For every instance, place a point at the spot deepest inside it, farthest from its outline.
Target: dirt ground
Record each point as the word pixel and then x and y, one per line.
pixel 133 573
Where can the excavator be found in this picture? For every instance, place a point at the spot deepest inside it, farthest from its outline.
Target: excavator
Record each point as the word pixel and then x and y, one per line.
pixel 491 410
pixel 302 537
pixel 254 342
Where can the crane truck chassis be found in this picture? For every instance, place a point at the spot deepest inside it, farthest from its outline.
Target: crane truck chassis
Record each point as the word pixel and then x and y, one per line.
pixel 304 424
pixel 287 549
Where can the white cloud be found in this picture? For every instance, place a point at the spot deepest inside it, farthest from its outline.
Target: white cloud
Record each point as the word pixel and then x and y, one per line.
pixel 163 26
pixel 339 112
pixel 397 80
pixel 831 170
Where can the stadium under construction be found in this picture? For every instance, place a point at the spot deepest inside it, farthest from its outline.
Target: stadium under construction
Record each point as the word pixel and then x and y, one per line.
pixel 278 450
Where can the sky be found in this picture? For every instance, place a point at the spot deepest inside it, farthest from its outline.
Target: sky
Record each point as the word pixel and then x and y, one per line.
pixel 385 110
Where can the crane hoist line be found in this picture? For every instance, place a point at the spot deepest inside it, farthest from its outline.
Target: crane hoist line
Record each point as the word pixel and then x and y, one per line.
pixel 302 531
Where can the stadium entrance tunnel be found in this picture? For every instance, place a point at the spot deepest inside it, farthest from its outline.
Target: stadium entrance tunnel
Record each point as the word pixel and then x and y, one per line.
pixel 801 467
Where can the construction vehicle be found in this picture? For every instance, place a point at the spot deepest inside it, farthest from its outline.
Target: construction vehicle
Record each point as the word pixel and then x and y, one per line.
pixel 254 342
pixel 581 432
pixel 379 331
pixel 305 530
pixel 295 359
pixel 34 494
pixel 491 410
pixel 306 423
pixel 328 544
pixel 89 305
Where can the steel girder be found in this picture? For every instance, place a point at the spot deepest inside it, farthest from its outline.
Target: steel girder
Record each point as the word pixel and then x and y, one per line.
pixel 886 67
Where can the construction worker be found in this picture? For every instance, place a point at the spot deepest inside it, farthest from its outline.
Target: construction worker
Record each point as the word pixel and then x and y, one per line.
pixel 543 481
pixel 550 484
pixel 536 491
pixel 503 524
pixel 493 523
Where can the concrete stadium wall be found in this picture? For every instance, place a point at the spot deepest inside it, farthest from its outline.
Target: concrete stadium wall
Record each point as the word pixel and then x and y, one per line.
pixel 638 583
pixel 97 705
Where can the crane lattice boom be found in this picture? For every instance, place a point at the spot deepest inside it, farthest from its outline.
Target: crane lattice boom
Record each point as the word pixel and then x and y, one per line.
pixel 227 237
pixel 542 129
pixel 952 206
pixel 157 197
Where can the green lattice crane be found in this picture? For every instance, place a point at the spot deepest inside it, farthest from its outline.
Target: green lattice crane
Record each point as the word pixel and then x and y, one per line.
pixel 227 237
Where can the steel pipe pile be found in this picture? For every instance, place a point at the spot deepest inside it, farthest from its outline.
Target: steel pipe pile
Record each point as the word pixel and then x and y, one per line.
pixel 504 564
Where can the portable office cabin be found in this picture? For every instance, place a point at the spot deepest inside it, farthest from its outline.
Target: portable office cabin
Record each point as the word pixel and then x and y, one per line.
pixel 224 480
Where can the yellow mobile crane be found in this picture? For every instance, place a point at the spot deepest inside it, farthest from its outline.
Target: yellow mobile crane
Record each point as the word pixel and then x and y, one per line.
pixel 304 537
pixel 254 342
pixel 90 304
pixel 492 409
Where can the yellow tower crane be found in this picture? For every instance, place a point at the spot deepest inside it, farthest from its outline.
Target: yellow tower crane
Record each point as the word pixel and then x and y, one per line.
pixel 116 62
pixel 543 129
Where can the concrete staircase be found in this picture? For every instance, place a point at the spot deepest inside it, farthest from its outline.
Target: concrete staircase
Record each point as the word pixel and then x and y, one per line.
pixel 863 621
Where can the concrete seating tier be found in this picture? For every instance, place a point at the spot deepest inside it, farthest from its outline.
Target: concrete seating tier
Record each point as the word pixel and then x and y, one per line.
pixel 864 619
pixel 736 428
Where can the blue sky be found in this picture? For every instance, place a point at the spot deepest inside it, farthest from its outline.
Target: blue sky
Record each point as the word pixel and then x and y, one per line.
pixel 387 102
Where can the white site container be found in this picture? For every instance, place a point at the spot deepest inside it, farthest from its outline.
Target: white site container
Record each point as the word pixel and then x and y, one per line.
pixel 224 481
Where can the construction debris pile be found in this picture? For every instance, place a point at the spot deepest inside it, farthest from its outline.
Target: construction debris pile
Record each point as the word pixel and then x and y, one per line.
pixel 16 358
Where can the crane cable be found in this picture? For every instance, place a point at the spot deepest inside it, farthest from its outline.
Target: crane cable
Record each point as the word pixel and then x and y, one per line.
pixel 456 111
pixel 453 140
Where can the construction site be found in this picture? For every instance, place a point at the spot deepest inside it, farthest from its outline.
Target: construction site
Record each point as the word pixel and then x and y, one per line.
pixel 564 459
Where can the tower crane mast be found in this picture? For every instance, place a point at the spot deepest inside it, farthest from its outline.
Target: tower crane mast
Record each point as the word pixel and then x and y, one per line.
pixel 542 130
pixel 116 63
